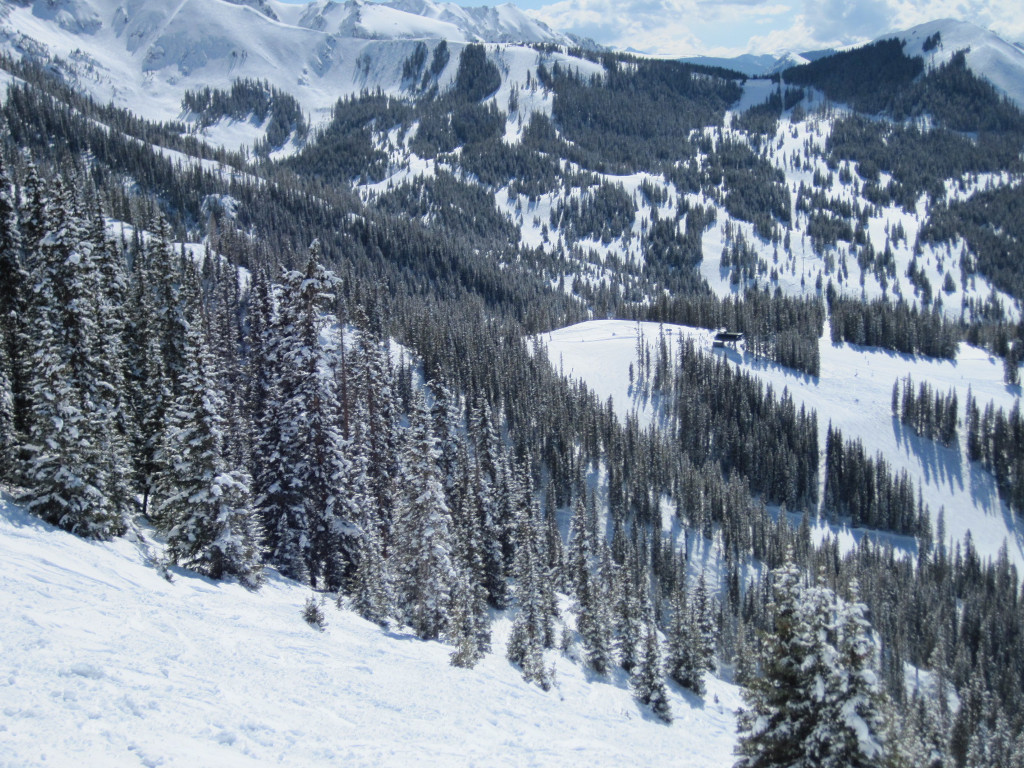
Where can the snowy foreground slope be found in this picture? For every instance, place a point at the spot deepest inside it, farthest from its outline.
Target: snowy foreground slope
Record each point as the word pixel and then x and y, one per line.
pixel 854 393
pixel 104 663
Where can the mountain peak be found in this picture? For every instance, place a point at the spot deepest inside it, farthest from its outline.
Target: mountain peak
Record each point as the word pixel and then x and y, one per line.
pixel 988 55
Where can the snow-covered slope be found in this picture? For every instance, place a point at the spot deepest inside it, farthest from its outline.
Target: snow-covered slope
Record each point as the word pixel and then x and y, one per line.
pixel 853 393
pixel 144 54
pixel 989 56
pixel 421 18
pixel 104 663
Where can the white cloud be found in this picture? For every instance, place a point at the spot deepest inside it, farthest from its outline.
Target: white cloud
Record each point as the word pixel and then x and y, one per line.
pixel 729 27
pixel 658 26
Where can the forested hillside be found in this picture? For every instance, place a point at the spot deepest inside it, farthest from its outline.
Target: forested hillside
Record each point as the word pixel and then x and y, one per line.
pixel 320 357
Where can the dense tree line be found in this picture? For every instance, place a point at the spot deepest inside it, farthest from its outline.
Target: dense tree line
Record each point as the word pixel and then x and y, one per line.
pixel 865 490
pixel 720 414
pixel 604 213
pixel 250 99
pixel 784 329
pixel 899 327
pixel 994 439
pixel 918 160
pixel 990 224
pixel 933 415
pixel 867 78
pixel 639 112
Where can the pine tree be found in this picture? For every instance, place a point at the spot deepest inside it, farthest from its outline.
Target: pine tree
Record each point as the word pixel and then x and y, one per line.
pixel 71 423
pixel 373 593
pixel 781 712
pixel 206 506
pixel 647 683
pixel 683 663
pixel 817 702
pixel 532 625
pixel 594 620
pixel 851 731
pixel 8 437
pixel 13 293
pixel 464 624
pixel 306 493
pixel 422 541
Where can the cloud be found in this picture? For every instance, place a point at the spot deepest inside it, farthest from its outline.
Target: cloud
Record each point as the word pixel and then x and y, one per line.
pixel 730 27
pixel 658 26
pixel 846 22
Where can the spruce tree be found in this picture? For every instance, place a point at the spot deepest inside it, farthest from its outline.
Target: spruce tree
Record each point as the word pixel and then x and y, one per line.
pixel 206 505
pixel 781 711
pixel 422 541
pixel 71 423
pixel 648 685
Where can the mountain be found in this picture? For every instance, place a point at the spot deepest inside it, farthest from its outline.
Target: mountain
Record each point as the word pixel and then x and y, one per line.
pixel 988 55
pixel 750 64
pixel 146 53
pixel 317 301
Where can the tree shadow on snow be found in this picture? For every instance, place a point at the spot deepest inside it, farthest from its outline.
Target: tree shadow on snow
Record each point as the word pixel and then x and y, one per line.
pixel 939 464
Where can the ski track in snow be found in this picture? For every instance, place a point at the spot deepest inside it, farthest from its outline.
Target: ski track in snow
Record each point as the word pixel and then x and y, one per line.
pixel 854 393
pixel 104 663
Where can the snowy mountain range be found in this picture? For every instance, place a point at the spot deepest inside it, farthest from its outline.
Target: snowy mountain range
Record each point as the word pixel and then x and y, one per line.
pixel 146 53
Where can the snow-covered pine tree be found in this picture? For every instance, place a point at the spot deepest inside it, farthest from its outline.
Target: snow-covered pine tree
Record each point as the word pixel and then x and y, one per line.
pixel 629 620
pixel 463 629
pixel 531 626
pixel 305 483
pixel 682 662
pixel 13 290
pixel 111 414
pixel 373 592
pixel 67 469
pixel 371 385
pixel 206 506
pixel 648 685
pixel 781 711
pixel 851 729
pixel 8 438
pixel 702 617
pixel 422 539
pixel 318 466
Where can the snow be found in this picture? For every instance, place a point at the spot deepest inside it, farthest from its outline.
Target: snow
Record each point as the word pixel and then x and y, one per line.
pixel 103 662
pixel 144 54
pixel 854 393
pixel 989 56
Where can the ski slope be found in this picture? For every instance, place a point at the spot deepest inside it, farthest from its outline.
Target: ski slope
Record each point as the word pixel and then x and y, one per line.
pixel 105 663
pixel 854 393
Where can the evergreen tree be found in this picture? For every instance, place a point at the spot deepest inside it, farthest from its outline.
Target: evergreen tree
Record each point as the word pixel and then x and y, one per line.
pixel 13 293
pixel 8 438
pixel 683 662
pixel 68 453
pixel 594 619
pixel 647 683
pixel 306 485
pixel 206 505
pixel 531 627
pixel 817 701
pixel 422 541
pixel 851 732
pixel 781 710
pixel 373 593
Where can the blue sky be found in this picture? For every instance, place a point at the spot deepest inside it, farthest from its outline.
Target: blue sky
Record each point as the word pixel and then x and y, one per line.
pixel 731 27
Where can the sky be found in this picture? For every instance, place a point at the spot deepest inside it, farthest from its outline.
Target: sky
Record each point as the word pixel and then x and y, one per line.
pixel 733 27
